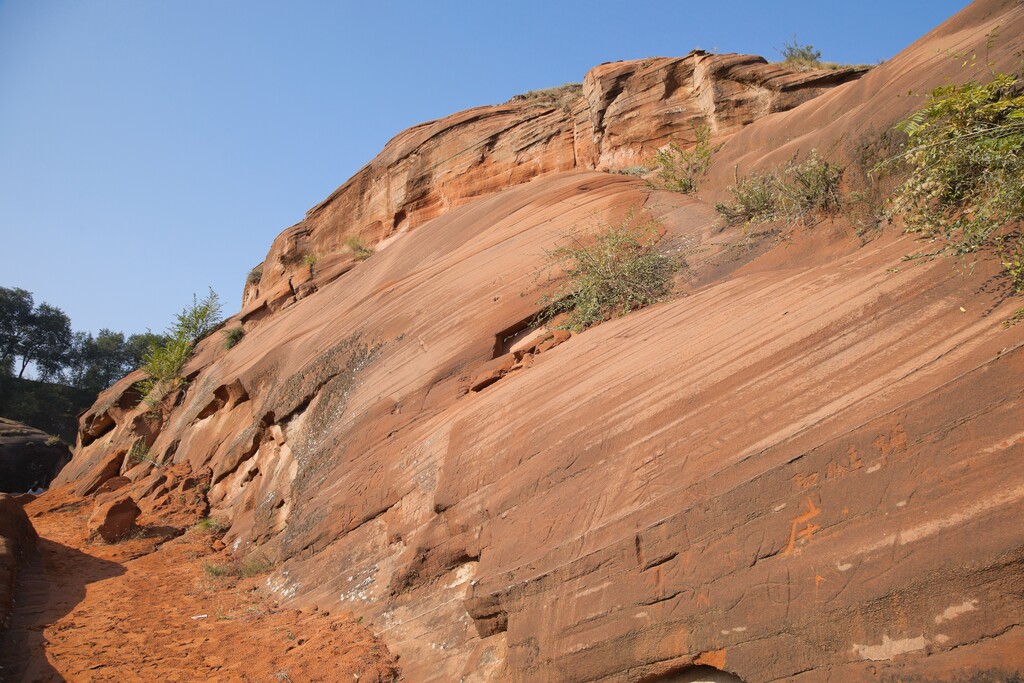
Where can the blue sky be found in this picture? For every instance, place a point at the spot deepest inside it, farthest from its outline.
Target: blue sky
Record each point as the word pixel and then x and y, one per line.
pixel 152 148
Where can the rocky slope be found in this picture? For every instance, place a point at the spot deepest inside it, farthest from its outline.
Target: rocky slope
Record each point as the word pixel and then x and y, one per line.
pixel 807 468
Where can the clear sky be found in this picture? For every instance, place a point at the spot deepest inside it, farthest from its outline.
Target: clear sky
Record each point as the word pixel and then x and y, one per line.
pixel 152 148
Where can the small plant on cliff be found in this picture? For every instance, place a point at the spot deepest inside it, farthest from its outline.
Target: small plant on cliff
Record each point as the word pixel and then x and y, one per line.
pixel 753 200
pixel 617 271
pixel 561 96
pixel 965 192
pixel 360 251
pixel 680 169
pixel 806 58
pixel 165 359
pixel 797 193
pixel 233 335
pixel 634 171
pixel 253 564
pixel 311 260
pixel 800 57
pixel 810 188
pixel 210 525
pixel 255 275
pixel 139 452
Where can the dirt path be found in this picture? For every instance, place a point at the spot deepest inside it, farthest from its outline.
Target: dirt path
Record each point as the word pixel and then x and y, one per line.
pixel 146 610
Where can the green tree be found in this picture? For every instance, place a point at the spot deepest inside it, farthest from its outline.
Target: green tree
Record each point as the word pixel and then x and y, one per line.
pixel 32 335
pixel 15 318
pixel 47 342
pixel 100 361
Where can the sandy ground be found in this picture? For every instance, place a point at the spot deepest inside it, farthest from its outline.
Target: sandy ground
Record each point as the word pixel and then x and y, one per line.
pixel 147 609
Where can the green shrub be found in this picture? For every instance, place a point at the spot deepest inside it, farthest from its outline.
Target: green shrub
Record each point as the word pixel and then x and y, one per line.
pixel 635 171
pixel 800 57
pixel 561 96
pixel 311 260
pixel 1010 250
pixel 255 275
pixel 679 169
pixel 210 525
pixel 247 567
pixel 139 452
pixel 611 274
pixel 54 440
pixel 165 359
pixel 358 247
pixel 810 188
pixel 806 58
pixel 198 320
pixel 965 150
pixel 215 570
pixel 1014 319
pixel 753 200
pixel 798 193
pixel 233 335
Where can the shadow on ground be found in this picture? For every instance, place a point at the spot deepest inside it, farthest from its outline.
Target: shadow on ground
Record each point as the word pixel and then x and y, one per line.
pixel 51 584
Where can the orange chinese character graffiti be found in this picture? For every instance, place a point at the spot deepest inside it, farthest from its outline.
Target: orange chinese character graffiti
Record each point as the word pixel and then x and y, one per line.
pixel 855 461
pixel 839 469
pixel 805 482
pixel 804 520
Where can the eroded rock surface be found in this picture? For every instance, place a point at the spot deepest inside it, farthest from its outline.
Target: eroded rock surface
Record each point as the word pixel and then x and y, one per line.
pixel 624 113
pixel 804 469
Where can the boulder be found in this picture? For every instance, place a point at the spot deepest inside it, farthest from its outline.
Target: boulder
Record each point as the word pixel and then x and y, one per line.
pixel 113 518
pixel 113 484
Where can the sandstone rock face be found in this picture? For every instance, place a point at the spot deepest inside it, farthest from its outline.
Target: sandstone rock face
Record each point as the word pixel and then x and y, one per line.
pixel 17 538
pixel 861 111
pixel 28 458
pixel 625 112
pixel 113 518
pixel 806 469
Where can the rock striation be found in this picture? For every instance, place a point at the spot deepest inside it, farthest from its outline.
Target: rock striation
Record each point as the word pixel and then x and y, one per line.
pixel 805 469
pixel 623 113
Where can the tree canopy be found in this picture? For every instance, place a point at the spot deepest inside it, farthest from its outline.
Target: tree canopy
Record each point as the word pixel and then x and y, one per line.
pixel 39 336
pixel 29 333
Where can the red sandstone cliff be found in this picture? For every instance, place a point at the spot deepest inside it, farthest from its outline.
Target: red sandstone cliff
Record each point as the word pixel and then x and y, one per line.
pixel 624 112
pixel 806 469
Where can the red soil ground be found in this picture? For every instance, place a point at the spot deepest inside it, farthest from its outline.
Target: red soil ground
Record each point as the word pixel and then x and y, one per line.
pixel 131 611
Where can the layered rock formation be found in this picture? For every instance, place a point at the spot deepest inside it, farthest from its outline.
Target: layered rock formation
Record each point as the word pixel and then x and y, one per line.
pixel 625 111
pixel 806 469
pixel 29 458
